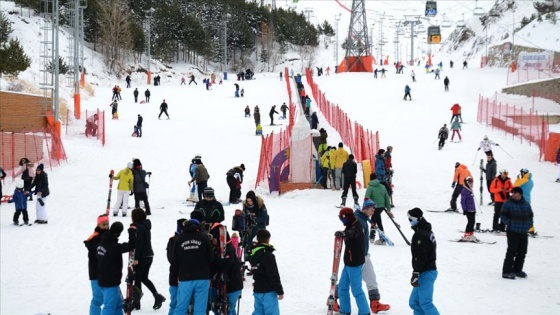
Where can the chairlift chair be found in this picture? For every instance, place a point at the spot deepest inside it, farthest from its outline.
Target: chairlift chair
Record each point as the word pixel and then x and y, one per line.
pixel 478 11
pixel 461 23
pixel 445 23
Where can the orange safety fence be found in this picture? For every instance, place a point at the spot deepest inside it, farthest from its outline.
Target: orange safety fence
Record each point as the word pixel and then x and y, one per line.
pixel 528 125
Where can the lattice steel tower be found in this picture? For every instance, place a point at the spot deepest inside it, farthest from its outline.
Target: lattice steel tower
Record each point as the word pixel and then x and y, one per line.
pixel 358 45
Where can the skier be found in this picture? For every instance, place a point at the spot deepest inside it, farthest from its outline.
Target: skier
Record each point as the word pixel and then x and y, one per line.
pixel 234 193
pixel 455 112
pixel 173 272
pixel 192 80
pixel 192 169
pixel 407 90
pixel 135 93
pixel 382 72
pixel 443 133
pixel 517 215
pixel 139 125
pixel 257 115
pixel 349 171
pixel 193 268
pixel 257 218
pixel 456 127
pixel 314 121
pixel 110 266
pixel 126 180
pixel 490 171
pixel 486 144
pixel 127 81
pixel 91 244
pixel 211 209
pixel 41 185
pixel 354 259
pixel 247 111
pixel 183 81
pixel 201 177
pixel 267 287
pixel 143 258
pixel 19 199
pixel 163 109
pixel 446 84
pixel 501 187
pixel 115 93
pixel 380 170
pixel 465 65
pixel 340 156
pixel 469 209
pixel 461 172
pixel 283 108
pixel 147 95
pixel 424 270
pixel 437 74
pixel 271 114
pixel 413 75
pixel 140 186
pixel 114 107
pixel 379 195
pixel 27 174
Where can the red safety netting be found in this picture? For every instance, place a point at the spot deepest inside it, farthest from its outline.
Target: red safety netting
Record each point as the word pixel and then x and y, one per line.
pixel 512 119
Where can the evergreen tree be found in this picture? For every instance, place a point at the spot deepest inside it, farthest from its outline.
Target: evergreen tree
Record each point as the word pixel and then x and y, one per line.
pixel 13 59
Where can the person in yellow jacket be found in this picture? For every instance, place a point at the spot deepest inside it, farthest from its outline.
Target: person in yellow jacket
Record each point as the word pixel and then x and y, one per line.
pixel 340 157
pixel 325 167
pixel 126 179
pixel 331 150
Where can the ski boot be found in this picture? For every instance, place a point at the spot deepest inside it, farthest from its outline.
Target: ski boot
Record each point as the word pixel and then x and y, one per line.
pixel 377 307
pixel 343 203
pixel 372 235
pixel 136 297
pixel 356 204
pixel 380 242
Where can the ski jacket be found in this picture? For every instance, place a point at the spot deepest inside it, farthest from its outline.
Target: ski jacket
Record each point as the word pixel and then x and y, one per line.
pixel 212 209
pixel 265 271
pixel 378 193
pixel 443 133
pixel 354 244
pixel 314 120
pixel 41 184
pixel 323 136
pixel 456 108
pixel 388 160
pixel 231 266
pixel 163 106
pixel 143 246
pixel 501 187
pixel 423 247
pixel 259 210
pixel 350 169
pixel 272 111
pixel 332 154
pixel 236 169
pixel 27 173
pixel 340 156
pixel 139 122
pixel 526 184
pixel 139 183
pixel 491 169
pixel 364 223
pixel 307 102
pixel 91 244
pixel 170 248
pixel 467 200
pixel 456 125
pixel 109 258
pixel 193 253
pixel 407 89
pixel 147 93
pixel 135 93
pixel 380 168
pixel 446 81
pixel 19 199
pixel 461 172
pixel 192 168
pixel 326 160
pixel 200 174
pixel 517 215
pixel 125 178
pixel 486 145
pixel 284 108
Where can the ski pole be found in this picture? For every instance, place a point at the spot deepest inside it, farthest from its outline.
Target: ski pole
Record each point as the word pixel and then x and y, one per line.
pixel 505 152
pixel 398 227
pixel 149 177
pixel 238 303
pixel 475 157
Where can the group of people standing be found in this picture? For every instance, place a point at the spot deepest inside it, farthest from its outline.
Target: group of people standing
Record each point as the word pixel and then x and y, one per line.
pixel 132 181
pixel 31 183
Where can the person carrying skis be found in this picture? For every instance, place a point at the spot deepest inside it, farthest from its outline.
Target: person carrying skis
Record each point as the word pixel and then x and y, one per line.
pixel 234 193
pixel 41 185
pixel 135 93
pixel 110 265
pixel 378 194
pixel 257 218
pixel 340 156
pixel 173 271
pixel 455 112
pixel 424 271
pixel 491 170
pixel 271 114
pixel 456 127
pixel 486 144
pixel 147 95
pixel 501 187
pixel 461 172
pixel 443 133
pixel 91 244
pixel 469 209
pixel 140 186
pixel 267 286
pixel 19 199
pixel 354 259
pixel 349 171
pixel 407 90
pixel 163 109
pixel 126 181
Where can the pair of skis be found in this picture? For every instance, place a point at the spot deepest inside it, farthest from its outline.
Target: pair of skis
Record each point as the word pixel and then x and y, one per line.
pixel 220 302
pixel 128 301
pixel 334 275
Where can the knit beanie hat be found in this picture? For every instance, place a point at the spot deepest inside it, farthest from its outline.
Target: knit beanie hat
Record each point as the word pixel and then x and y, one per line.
pixel 517 190
pixel 415 213
pixel 208 192
pixel 180 225
pixel 129 165
pixel 136 163
pixel 197 215
pixel 40 167
pixel 367 203
pixel 138 215
pixel 346 215
pixel 116 229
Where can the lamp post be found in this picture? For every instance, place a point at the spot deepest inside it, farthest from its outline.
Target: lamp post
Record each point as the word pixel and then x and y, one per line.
pixel 337 18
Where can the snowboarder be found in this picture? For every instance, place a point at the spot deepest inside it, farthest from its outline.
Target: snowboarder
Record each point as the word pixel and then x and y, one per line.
pixel 349 171
pixel 271 114
pixel 147 95
pixel 163 109
pixel 443 133
pixel 446 84
pixel 450 63
pixel 135 93
pixel 257 214
pixel 456 127
pixel 407 90
pixel 424 270
pixel 469 209
pixel 486 144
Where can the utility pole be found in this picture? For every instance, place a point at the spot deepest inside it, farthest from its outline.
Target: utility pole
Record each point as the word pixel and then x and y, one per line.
pixel 225 43
pixel 148 41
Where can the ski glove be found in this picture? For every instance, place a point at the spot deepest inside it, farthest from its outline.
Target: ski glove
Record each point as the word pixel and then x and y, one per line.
pixel 131 193
pixel 478 149
pixel 453 185
pixel 110 175
pixel 149 173
pixel 41 202
pixel 414 280
pixel 339 234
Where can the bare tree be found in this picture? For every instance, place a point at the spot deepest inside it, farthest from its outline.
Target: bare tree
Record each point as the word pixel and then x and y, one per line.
pixel 114 21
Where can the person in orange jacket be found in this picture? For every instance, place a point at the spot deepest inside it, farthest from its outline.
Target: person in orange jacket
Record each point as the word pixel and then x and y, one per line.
pixel 461 172
pixel 501 188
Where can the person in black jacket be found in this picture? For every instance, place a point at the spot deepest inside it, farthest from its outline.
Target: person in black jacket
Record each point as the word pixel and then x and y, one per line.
pixel 234 193
pixel 267 287
pixel 140 186
pixel 271 114
pixel 163 110
pixel 135 93
pixel 192 258
pixel 27 174
pixel 349 171
pixel 424 271
pixel 139 125
pixel 211 210
pixel 257 218
pixel 491 170
pixel 91 244
pixel 147 95
pixel 354 259
pixel 110 266
pixel 143 258
pixel 41 185
pixel 173 280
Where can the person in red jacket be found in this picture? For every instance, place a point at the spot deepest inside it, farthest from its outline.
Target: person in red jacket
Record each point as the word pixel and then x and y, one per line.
pixel 501 188
pixel 456 112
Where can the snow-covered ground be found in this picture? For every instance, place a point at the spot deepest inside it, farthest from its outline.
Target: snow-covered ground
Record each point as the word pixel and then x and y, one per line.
pixel 44 267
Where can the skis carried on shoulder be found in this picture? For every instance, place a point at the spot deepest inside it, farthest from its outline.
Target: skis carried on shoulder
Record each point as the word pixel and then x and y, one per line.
pixel 109 194
pixel 334 275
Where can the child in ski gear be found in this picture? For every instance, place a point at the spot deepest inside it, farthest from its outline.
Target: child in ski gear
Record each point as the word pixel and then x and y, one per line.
pixel 456 127
pixel 41 185
pixel 193 257
pixel 283 108
pixel 173 276
pixel 517 215
pixel 486 144
pixel 267 288
pixel 491 170
pixel 163 110
pixel 469 209
pixel 461 172
pixel 424 272
pixel 19 199
pixel 126 180
pixel 501 187
pixel 257 218
pixel 140 186
pixel 442 135
pixel 380 197
pixel 91 244
pixel 354 259
pixel 110 265
pixel 349 171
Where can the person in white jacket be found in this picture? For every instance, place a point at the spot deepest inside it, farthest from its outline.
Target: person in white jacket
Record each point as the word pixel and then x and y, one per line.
pixel 486 144
pixel 126 179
